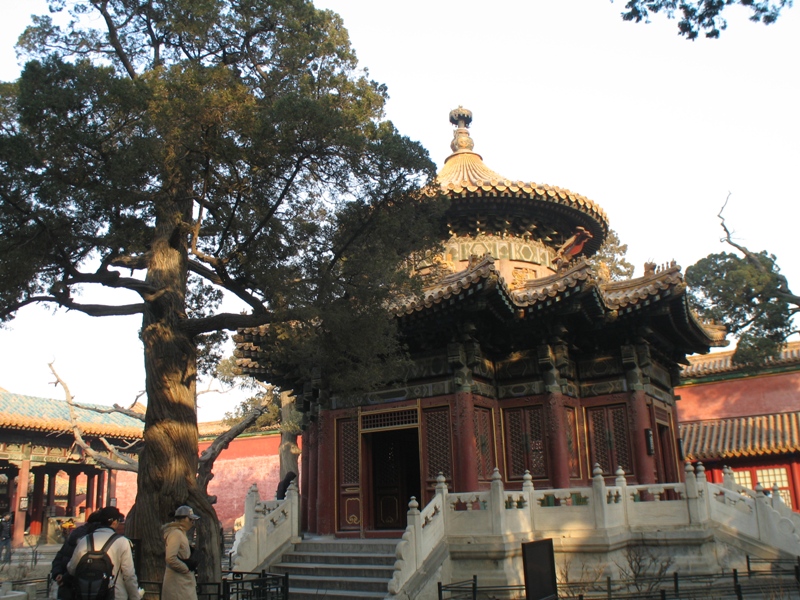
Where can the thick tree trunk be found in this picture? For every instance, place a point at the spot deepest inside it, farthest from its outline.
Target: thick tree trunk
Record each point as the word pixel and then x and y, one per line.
pixel 168 465
pixel 288 451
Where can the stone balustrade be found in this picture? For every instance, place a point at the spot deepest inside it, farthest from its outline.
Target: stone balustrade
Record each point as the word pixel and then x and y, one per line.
pixel 269 528
pixel 490 525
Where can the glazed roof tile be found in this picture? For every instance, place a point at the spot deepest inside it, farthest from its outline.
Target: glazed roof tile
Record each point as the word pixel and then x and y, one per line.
pixel 48 415
pixel 722 362
pixel 464 172
pixel 453 285
pixel 742 436
pixel 544 288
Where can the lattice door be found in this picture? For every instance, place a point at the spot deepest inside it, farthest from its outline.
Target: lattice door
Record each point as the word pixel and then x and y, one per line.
pixel 437 455
pixel 526 447
pixel 349 474
pixel 609 438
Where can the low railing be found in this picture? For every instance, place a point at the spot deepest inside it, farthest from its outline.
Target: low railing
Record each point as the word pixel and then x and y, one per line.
pixel 694 587
pixel 235 585
pixel 269 528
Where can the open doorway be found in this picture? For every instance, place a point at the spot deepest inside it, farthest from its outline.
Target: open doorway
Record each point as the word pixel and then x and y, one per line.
pixel 395 476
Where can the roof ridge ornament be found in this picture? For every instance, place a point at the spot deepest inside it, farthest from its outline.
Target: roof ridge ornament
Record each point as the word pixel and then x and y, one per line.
pixel 461 118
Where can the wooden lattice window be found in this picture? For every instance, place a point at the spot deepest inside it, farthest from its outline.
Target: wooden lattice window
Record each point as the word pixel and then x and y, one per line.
pixel 609 438
pixel 526 447
pixel 437 441
pixel 484 441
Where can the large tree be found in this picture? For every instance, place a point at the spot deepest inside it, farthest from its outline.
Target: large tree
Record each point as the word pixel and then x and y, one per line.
pixel 697 17
pixel 174 150
pixel 747 293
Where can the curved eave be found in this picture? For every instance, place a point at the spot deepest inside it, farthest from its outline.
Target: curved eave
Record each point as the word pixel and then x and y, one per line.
pixel 758 435
pixel 62 427
pixel 539 294
pixel 481 277
pixel 534 201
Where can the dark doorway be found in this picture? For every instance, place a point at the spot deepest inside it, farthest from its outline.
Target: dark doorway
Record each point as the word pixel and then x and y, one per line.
pixel 395 476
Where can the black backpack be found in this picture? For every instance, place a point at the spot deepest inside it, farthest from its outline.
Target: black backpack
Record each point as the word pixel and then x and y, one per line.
pixel 94 575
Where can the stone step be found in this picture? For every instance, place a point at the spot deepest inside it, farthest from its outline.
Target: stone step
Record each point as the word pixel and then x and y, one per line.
pixel 298 594
pixel 347 546
pixel 321 583
pixel 301 570
pixel 339 568
pixel 342 558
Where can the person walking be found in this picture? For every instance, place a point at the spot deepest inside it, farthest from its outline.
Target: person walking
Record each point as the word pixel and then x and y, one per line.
pixel 126 586
pixel 58 568
pixel 179 580
pixel 5 539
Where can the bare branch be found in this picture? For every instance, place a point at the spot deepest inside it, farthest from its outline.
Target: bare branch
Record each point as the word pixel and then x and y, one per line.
pixel 783 292
pixel 114 409
pixel 206 462
pixel 78 434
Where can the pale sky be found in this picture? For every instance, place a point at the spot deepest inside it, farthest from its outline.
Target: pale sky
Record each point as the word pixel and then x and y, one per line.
pixel 656 129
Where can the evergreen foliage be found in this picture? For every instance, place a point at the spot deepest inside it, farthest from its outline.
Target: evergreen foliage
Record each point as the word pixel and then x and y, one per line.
pixel 703 16
pixel 182 149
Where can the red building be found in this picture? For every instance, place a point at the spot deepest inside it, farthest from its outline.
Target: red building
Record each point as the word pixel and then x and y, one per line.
pixel 526 358
pixel 744 418
pixel 38 452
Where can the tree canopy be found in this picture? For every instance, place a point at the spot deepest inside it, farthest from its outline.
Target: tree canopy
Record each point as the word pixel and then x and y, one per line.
pixel 611 256
pixel 704 17
pixel 179 150
pixel 747 293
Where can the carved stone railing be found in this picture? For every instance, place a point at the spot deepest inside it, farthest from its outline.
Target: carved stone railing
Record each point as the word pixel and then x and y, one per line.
pixel 269 528
pixel 424 533
pixel 468 521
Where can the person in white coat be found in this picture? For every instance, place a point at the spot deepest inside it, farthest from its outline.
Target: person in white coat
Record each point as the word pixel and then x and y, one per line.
pixel 126 586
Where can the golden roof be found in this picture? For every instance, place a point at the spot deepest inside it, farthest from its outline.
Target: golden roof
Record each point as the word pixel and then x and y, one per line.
pixel 464 172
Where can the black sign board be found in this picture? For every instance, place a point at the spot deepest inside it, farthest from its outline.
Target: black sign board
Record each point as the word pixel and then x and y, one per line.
pixel 539 564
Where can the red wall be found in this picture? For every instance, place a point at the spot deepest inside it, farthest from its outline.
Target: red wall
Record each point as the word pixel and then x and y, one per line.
pixel 741 397
pixel 247 460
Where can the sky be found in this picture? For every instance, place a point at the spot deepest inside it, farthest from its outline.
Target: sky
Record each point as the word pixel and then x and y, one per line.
pixel 656 129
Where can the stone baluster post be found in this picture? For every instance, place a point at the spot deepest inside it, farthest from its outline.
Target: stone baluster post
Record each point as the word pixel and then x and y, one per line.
pixel 703 497
pixel 599 498
pixel 293 496
pixel 250 502
pixel 441 493
pixel 728 482
pixel 527 494
pixel 497 503
pixel 415 524
pixel 622 484
pixel 690 481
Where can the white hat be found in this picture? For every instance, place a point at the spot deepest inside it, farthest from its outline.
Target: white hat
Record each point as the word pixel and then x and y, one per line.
pixel 186 511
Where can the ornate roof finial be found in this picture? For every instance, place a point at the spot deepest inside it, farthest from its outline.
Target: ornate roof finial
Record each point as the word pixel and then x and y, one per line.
pixel 461 118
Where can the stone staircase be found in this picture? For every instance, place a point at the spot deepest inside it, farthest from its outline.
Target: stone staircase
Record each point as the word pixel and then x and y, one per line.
pixel 326 567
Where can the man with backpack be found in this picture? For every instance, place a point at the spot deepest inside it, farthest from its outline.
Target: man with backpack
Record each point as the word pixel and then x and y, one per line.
pixel 58 571
pixel 102 564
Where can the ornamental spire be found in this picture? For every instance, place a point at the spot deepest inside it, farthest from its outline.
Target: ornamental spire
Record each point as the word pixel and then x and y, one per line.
pixel 461 118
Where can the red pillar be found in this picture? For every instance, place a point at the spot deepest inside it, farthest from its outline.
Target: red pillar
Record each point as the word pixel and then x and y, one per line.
pixel 101 484
pixel 71 493
pixel 557 440
pixel 795 483
pixel 37 502
pixel 465 477
pixel 91 479
pixel 51 489
pixel 639 412
pixel 326 467
pixel 112 486
pixel 20 492
pixel 305 484
pixel 313 479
